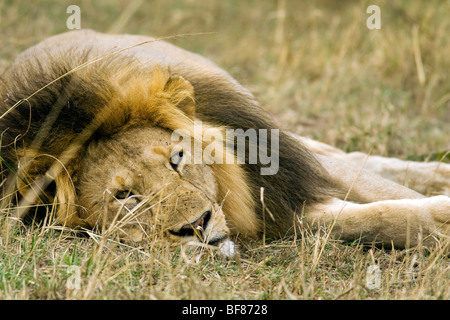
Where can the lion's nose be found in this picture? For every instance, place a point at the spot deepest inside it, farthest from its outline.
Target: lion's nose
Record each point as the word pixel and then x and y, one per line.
pixel 197 227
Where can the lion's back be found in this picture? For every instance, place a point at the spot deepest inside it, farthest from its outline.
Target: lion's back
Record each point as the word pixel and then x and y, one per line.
pixel 150 52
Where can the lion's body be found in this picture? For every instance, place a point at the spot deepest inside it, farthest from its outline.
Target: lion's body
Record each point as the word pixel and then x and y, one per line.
pixel 109 123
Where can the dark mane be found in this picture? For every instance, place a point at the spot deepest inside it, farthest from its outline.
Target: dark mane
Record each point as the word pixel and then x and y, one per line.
pixel 63 108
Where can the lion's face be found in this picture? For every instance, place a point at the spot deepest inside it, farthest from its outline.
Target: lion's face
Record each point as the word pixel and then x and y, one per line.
pixel 117 168
pixel 139 183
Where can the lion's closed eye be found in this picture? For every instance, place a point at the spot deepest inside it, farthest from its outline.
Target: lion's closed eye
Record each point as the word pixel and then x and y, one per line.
pixel 127 199
pixel 123 194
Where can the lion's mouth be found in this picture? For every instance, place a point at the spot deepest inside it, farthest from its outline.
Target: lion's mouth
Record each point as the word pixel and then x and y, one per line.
pixel 217 241
pixel 198 229
pixel 195 228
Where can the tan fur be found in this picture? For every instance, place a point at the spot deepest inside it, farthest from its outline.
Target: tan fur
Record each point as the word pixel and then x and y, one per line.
pixel 422 177
pixel 404 223
pixel 109 153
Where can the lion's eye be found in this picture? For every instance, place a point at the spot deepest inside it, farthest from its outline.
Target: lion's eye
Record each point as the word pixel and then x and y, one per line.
pixel 175 159
pixel 123 194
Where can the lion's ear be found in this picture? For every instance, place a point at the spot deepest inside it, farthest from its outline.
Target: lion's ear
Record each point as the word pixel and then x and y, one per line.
pixel 181 94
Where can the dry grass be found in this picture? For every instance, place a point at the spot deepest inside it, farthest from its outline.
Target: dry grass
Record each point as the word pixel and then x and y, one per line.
pixel 323 74
pixel 36 264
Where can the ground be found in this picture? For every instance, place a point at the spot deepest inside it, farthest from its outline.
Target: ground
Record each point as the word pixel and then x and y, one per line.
pixel 322 73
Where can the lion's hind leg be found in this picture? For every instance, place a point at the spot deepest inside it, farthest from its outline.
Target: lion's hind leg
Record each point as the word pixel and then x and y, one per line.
pixel 403 223
pixel 423 177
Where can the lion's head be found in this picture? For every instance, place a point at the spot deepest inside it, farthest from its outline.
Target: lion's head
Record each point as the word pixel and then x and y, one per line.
pixel 119 168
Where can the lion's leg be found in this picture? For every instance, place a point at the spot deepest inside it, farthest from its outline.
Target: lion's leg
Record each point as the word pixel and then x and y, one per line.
pixel 359 185
pixel 402 223
pixel 423 177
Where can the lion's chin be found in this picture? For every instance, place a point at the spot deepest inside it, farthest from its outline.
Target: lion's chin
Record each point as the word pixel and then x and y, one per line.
pixel 227 248
pixel 224 246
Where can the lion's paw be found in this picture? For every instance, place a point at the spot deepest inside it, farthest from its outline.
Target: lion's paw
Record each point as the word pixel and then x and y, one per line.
pixel 441 180
pixel 440 212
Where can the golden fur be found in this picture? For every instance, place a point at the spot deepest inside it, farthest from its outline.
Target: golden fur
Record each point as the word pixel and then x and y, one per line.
pixel 86 127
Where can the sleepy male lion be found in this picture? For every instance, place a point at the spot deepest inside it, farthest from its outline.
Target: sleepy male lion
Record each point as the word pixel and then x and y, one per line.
pixel 130 134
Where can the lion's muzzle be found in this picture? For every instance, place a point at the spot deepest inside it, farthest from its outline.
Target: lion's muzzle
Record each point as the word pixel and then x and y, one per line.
pixel 196 227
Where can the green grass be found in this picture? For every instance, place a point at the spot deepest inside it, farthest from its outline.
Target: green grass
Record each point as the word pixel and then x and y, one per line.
pixel 323 74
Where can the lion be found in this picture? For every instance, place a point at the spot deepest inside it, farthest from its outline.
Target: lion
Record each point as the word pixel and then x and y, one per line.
pixel 87 126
